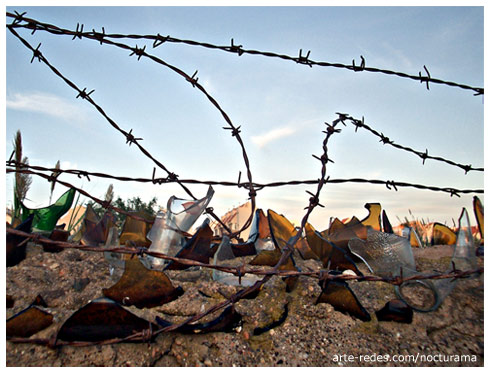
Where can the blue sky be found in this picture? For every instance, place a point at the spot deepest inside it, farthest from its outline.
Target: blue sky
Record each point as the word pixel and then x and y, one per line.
pixel 281 106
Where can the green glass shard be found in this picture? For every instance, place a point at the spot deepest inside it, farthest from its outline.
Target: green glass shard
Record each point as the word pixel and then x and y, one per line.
pixel 45 218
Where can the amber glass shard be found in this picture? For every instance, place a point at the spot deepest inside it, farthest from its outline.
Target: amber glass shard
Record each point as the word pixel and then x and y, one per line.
pixel 99 320
pixel 373 219
pixel 142 288
pixel 340 296
pixel 386 224
pixel 271 258
pixel 28 322
pixel 340 234
pixel 134 231
pixel 59 236
pixel 395 310
pixel 479 214
pixel 330 255
pixel 273 324
pixel 95 231
pixel 441 234
pixel 266 258
pixel 281 229
pixel 16 252
pixel 227 321
pixel 198 248
pixel 45 218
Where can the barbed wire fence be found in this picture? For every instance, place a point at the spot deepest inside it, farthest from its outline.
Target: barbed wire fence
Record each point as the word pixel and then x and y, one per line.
pixel 19 21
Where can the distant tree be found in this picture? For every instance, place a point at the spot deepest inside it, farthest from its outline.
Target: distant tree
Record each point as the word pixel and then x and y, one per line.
pixel 135 204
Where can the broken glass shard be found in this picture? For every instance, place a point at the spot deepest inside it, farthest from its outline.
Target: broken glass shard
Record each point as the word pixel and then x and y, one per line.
pixel 115 260
pixel 331 256
pixel 28 322
pixel 340 234
pixel 102 319
pixel 463 258
pixel 134 232
pixel 224 256
pixel 197 248
pixel 480 217
pixel 386 224
pixel 228 321
pixel 338 294
pixel 95 230
pixel 373 219
pixel 442 235
pixel 260 233
pixel 16 244
pixel 45 218
pixel 167 231
pixel 384 253
pixel 395 310
pixel 281 232
pixel 59 236
pixel 142 288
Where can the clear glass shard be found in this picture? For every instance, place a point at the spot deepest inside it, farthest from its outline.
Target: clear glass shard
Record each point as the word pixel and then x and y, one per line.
pixel 166 232
pixel 115 260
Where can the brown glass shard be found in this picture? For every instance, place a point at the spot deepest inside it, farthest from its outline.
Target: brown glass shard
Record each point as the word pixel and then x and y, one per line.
pixel 243 249
pixel 16 244
pixel 28 322
pixel 99 320
pixel 197 248
pixel 441 234
pixel 331 256
pixel 340 234
pixel 59 236
pixel 281 231
pixel 479 214
pixel 386 224
pixel 271 258
pixel 95 230
pixel 134 231
pixel 142 288
pixel 340 296
pixel 227 321
pixel 395 310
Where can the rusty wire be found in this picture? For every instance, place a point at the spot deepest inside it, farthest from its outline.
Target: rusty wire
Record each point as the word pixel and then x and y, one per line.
pixel 246 269
pixel 390 184
pixel 359 123
pixel 131 139
pixel 146 335
pixel 314 201
pixel 158 40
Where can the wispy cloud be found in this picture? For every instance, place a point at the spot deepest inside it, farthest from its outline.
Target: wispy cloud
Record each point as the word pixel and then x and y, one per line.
pixel 45 103
pixel 263 139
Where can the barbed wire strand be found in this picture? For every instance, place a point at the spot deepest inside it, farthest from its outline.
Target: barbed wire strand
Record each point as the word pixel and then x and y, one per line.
pixel 131 139
pixel 390 184
pixel 385 140
pixel 158 40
